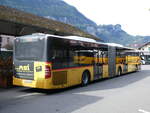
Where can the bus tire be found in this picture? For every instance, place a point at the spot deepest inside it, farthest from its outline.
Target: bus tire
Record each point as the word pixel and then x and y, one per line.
pixel 85 78
pixel 119 72
pixel 137 67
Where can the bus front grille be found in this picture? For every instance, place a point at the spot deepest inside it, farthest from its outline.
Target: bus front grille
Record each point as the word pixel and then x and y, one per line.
pixel 59 78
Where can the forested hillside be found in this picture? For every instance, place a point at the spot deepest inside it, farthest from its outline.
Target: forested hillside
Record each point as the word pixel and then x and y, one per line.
pixel 61 11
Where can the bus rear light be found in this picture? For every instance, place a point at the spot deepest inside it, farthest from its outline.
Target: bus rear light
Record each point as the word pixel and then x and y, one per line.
pixel 47 72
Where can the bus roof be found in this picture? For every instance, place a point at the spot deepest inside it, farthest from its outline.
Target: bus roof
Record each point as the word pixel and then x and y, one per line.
pixel 4 49
pixel 78 38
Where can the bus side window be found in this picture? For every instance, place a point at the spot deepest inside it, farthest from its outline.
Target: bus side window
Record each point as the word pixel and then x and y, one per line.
pixel 63 58
pixel 59 58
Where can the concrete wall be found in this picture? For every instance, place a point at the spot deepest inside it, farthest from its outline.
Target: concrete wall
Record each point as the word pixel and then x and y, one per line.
pixel 7 41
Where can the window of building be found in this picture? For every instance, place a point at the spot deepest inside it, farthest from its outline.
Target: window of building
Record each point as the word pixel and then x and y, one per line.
pixel 148 48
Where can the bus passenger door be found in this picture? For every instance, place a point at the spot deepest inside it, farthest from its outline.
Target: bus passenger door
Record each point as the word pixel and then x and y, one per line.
pixel 97 66
pixel 111 61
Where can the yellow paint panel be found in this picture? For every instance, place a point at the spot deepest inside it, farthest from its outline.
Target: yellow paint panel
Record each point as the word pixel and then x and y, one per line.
pixel 83 60
pixel 23 82
pixel 39 70
pixel 74 75
pixel 120 60
pixel 133 59
pixel 131 68
pixel 105 71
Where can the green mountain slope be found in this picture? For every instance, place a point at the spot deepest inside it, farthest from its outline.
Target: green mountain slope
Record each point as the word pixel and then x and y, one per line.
pixel 55 9
pixel 61 11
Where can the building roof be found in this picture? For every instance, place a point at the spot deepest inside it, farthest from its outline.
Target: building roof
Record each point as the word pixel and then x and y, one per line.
pixel 15 22
pixel 148 43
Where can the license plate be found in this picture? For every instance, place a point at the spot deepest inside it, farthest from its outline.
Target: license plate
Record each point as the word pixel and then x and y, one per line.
pixel 27 81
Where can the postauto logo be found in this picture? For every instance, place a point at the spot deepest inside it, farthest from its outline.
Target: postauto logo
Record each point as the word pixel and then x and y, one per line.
pixel 23 68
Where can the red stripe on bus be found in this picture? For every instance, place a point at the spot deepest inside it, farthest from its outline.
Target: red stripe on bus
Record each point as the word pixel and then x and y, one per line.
pixel 70 68
pixel 48 62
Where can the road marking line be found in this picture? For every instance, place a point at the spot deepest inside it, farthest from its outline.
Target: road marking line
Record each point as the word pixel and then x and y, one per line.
pixel 143 111
pixel 31 94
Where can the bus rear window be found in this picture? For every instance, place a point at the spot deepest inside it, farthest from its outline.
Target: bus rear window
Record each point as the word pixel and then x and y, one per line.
pixel 28 49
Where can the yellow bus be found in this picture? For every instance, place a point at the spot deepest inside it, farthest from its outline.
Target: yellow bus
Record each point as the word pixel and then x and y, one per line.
pixel 49 62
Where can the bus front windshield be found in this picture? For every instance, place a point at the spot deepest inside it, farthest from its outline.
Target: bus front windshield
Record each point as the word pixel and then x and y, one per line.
pixel 29 49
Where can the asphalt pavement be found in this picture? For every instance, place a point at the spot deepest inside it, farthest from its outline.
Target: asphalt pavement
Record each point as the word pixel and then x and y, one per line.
pixel 129 93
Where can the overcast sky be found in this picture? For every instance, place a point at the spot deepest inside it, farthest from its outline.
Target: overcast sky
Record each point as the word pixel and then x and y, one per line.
pixel 133 15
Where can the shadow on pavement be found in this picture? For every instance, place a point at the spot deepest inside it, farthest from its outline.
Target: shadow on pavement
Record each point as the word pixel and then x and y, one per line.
pixel 111 83
pixel 69 99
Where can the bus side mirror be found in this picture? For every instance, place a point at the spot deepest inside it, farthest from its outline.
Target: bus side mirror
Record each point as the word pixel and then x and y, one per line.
pixel 142 57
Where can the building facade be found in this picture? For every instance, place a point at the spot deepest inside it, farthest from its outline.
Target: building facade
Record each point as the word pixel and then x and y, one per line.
pixel 145 47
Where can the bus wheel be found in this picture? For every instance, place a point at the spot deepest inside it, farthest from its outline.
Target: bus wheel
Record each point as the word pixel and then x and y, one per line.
pixel 85 78
pixel 119 71
pixel 137 67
